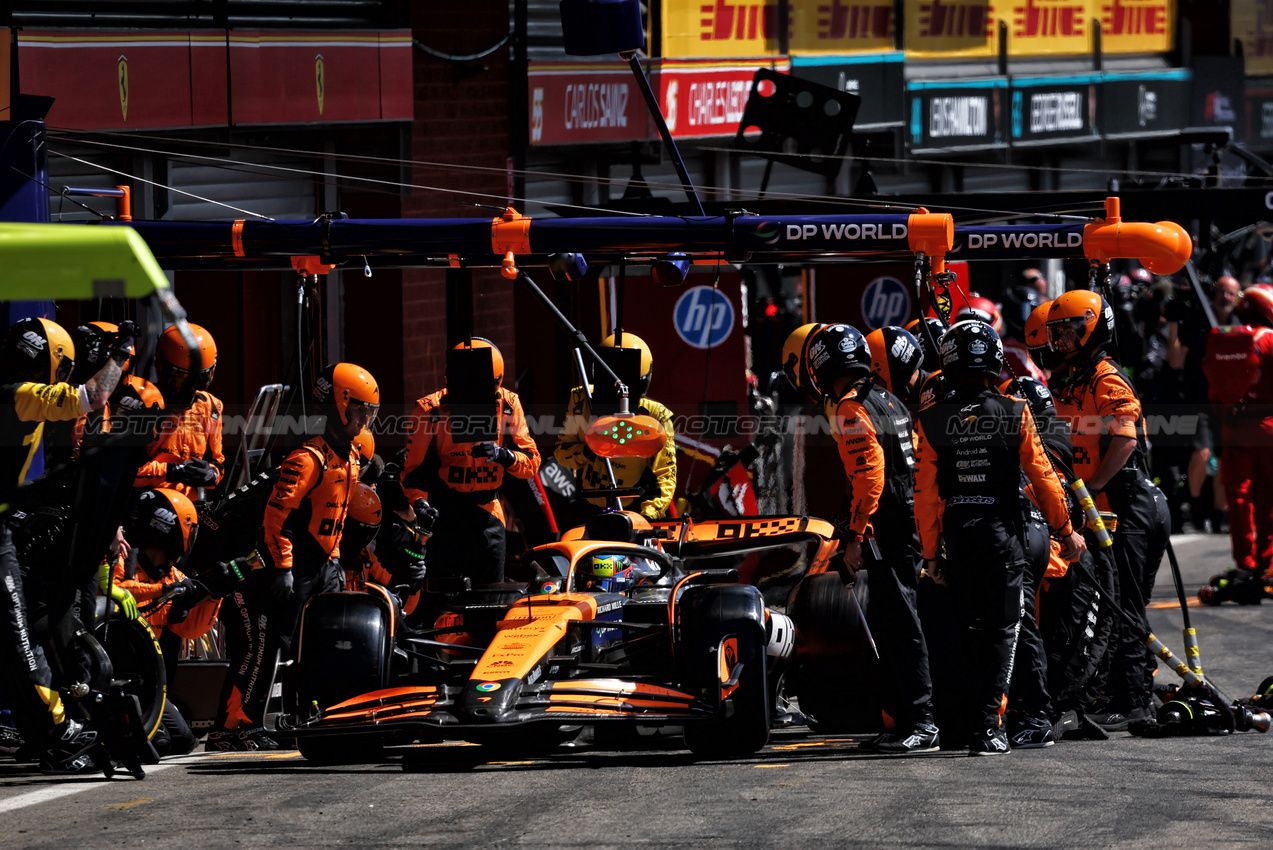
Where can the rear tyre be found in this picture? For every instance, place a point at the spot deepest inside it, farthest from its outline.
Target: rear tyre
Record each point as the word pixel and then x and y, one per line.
pixel 834 672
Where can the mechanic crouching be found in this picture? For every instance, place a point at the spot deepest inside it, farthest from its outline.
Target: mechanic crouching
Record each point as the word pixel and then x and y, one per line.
pixel 973 444
pixel 386 545
pixel 304 520
pixel 160 531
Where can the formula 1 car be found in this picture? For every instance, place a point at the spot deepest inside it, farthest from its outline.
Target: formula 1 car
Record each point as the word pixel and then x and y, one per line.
pixel 523 666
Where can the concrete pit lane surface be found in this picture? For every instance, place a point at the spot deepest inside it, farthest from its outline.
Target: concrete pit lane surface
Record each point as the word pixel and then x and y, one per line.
pixel 803 790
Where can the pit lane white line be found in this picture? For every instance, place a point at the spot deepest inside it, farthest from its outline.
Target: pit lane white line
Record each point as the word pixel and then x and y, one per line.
pixel 55 792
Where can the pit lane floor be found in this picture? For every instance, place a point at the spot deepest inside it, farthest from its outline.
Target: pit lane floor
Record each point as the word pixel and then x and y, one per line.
pixel 803 790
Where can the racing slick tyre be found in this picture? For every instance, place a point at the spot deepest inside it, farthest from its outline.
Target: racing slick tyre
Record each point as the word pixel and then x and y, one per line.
pixel 833 670
pixel 341 749
pixel 713 624
pixel 135 658
pixel 344 648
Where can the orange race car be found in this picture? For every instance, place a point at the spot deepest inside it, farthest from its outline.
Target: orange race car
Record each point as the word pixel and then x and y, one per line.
pixel 626 624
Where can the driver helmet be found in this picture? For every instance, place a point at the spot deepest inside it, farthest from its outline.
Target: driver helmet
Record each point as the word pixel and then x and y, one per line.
pixel 606 573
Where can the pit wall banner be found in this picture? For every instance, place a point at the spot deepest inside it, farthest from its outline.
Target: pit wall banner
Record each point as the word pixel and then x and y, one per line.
pixel 970 28
pixel 706 98
pixel 1251 22
pixel 740 28
pixel 933 28
pixel 129 80
pixel 583 103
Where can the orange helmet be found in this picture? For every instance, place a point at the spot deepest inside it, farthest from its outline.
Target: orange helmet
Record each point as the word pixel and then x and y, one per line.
pixel 1255 306
pixel 362 522
pixel 1080 323
pixel 176 366
pixel 365 442
pixel 39 350
pixel 344 385
pixel 497 359
pixel 983 310
pixel 172 349
pixel 166 519
pixel 793 359
pixel 1036 338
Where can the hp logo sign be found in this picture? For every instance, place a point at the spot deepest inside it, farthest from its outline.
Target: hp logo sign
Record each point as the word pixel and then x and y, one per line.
pixel 703 317
pixel 885 302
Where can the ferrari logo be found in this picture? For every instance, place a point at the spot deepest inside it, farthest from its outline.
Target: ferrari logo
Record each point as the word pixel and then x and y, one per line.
pixel 123 85
pixel 320 80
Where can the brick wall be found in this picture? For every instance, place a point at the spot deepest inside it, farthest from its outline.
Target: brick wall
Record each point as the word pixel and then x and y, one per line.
pixel 461 118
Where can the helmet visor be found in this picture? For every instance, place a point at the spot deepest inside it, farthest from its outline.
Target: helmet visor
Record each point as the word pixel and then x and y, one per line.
pixel 64 369
pixel 361 412
pixel 1066 335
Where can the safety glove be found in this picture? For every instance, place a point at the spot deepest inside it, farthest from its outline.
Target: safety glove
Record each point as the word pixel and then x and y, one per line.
pixel 189 593
pixel 275 584
pixel 426 516
pixel 124 341
pixel 223 577
pixel 127 604
pixel 195 472
pixel 494 453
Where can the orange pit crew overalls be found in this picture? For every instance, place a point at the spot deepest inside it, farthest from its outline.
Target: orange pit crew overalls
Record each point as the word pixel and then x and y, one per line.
pixel 194 433
pixel 469 538
pixel 304 518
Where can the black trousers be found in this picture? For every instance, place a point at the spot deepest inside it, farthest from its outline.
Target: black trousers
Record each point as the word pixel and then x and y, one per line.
pixel 258 630
pixel 468 541
pixel 892 583
pixel 1028 692
pixel 1075 620
pixel 1144 526
pixel 24 670
pixel 174 736
pixel 985 565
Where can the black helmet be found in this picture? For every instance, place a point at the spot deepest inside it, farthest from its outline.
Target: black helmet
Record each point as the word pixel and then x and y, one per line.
pixel 895 358
pixel 39 351
pixel 921 329
pixel 971 349
pixel 1037 395
pixel 1018 304
pixel 837 351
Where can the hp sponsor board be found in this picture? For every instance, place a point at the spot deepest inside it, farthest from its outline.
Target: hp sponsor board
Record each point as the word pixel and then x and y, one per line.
pixel 703 317
pixel 885 302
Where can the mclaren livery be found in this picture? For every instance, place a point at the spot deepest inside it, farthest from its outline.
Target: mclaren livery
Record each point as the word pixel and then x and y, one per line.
pixel 617 627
